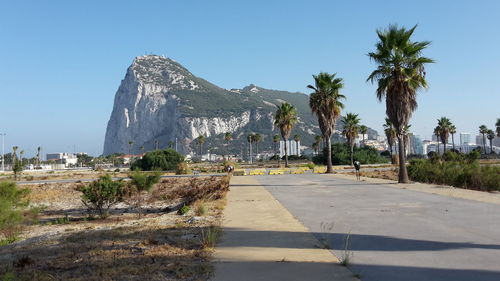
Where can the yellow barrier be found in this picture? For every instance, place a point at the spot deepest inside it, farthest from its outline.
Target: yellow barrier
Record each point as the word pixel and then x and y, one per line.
pixel 239 172
pixel 276 172
pixel 298 171
pixel 319 170
pixel 257 172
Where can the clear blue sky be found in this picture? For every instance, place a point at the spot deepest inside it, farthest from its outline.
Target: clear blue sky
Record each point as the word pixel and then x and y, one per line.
pixel 61 62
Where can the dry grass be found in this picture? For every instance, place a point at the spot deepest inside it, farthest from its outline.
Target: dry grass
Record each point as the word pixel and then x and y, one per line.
pixel 385 174
pixel 158 246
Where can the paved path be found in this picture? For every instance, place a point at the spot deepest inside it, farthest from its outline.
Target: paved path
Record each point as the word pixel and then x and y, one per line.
pixel 396 234
pixel 263 241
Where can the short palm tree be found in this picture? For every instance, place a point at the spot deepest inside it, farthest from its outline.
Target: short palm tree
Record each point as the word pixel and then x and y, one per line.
pixel 363 130
pixel 350 131
pixel 390 134
pixel 171 144
pixel 142 149
pixel 296 138
pixel 400 74
pixel 325 103
pixel 21 153
pixel 483 130
pixel 14 155
pixel 444 125
pixel 437 133
pixel 200 141
pixel 157 142
pixel 227 137
pixel 285 119
pixel 250 139
pixel 317 141
pixel 38 156
pixel 491 136
pixel 453 131
pixel 257 138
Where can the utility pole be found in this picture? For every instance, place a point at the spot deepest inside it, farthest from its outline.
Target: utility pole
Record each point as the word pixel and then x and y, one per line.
pixel 3 152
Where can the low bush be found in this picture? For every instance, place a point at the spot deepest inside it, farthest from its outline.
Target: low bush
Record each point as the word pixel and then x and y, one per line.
pixel 183 169
pixel 140 182
pixel 163 160
pixel 457 170
pixel 101 194
pixel 13 203
pixel 184 210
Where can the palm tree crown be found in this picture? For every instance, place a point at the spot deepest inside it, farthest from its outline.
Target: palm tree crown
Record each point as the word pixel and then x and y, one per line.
pixel 285 119
pixel 325 103
pixel 400 74
pixel 491 136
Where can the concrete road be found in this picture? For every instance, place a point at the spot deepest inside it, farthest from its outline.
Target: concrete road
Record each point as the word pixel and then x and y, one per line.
pixel 395 234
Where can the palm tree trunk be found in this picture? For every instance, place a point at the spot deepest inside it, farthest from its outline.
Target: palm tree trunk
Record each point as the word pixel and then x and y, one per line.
pixel 286 155
pixel 453 141
pixel 250 152
pixel 403 173
pixel 444 146
pixel 484 144
pixel 491 146
pixel 352 152
pixel 329 169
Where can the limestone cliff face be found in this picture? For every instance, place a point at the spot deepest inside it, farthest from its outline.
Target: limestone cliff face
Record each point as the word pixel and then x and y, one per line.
pixel 149 108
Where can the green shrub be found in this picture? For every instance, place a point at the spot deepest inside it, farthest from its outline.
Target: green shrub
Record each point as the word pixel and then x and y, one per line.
pixel 183 169
pixel 184 210
pixel 163 160
pixel 341 155
pixel 13 202
pixel 101 194
pixel 201 210
pixel 459 170
pixel 140 182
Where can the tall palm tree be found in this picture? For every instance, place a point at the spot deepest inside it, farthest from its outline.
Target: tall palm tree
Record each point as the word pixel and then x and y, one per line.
pixel 325 103
pixel 491 136
pixel 444 125
pixel 437 133
pixel 350 131
pixel 285 119
pixel 276 139
pixel 497 124
pixel 399 75
pixel 200 141
pixel 453 131
pixel 296 138
pixel 483 130
pixel 257 138
pixel 250 139
pixel 390 134
pixel 130 143
pixel 363 130
pixel 227 137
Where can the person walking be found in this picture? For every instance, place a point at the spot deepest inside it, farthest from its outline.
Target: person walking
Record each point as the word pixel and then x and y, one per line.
pixel 357 166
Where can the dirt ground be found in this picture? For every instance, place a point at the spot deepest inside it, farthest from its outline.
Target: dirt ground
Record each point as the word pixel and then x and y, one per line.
pixel 379 174
pixel 66 244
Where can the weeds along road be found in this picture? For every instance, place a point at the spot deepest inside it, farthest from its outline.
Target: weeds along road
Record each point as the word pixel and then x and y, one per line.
pixel 395 234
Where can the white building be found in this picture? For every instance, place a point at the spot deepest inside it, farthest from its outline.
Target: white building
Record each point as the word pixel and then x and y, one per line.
pixel 62 158
pixel 291 148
